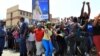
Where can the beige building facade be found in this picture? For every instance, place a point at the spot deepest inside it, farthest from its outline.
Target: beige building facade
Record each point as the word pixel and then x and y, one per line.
pixel 14 14
pixel 54 20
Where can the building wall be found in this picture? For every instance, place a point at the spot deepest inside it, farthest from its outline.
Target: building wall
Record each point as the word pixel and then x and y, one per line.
pixel 54 20
pixel 12 9
pixel 15 14
pixel 25 14
pixel 8 23
pixel 8 16
pixel 15 21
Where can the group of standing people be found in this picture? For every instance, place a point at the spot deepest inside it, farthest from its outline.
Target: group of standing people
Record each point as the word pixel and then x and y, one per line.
pixel 76 36
pixel 35 38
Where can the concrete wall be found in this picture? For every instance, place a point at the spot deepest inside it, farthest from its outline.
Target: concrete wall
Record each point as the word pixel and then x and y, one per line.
pixel 15 21
pixel 12 9
pixel 8 22
pixel 16 15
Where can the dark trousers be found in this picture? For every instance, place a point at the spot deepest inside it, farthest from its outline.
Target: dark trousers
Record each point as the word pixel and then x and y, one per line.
pixel 22 45
pixel 60 46
pixel 10 42
pixel 2 41
pixel 32 51
pixel 89 42
pixel 72 45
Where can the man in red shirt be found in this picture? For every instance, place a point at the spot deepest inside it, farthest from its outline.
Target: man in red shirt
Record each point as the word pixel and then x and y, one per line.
pixel 39 33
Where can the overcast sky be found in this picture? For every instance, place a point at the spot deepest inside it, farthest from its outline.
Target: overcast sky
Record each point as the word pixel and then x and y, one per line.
pixel 58 8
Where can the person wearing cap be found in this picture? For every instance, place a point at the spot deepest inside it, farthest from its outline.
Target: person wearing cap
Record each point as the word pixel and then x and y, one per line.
pixel 47 44
pixel 2 37
pixel 23 34
pixel 96 33
pixel 39 33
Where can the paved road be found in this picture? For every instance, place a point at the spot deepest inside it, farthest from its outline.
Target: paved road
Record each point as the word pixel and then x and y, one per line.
pixel 10 53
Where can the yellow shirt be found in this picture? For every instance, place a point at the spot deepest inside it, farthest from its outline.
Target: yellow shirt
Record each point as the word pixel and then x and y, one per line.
pixel 47 34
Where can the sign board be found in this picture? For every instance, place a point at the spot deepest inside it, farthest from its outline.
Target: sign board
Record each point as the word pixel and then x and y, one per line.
pixel 40 9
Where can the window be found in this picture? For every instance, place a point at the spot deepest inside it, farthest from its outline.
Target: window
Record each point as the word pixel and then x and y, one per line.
pixel 21 13
pixel 27 14
pixel 30 14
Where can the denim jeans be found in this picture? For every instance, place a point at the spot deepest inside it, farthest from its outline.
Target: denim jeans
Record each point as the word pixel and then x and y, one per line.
pixel 22 45
pixel 89 41
pixel 48 47
pixel 72 45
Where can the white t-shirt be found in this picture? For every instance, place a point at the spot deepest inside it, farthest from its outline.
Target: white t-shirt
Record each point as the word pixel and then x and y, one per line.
pixel 31 37
pixel 5 29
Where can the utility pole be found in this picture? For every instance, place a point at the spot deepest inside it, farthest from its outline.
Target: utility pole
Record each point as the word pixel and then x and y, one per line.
pixel 49 10
pixel 11 19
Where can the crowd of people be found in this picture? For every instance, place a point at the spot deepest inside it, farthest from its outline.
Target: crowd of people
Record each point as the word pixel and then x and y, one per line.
pixel 75 36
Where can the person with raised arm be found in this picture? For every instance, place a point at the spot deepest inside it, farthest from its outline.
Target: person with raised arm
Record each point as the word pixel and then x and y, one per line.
pixel 84 15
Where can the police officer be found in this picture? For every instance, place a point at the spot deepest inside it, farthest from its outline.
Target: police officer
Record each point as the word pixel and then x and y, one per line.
pixel 2 36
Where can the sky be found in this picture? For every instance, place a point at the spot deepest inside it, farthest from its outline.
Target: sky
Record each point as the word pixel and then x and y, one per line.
pixel 58 8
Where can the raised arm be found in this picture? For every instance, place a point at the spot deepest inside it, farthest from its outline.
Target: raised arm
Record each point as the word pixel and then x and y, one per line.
pixel 89 9
pixel 96 20
pixel 82 10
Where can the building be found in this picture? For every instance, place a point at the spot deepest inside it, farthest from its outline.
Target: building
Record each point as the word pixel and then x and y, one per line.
pixel 14 14
pixel 54 20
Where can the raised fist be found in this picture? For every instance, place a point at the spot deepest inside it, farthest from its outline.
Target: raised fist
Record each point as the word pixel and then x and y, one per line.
pixel 87 3
pixel 84 2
